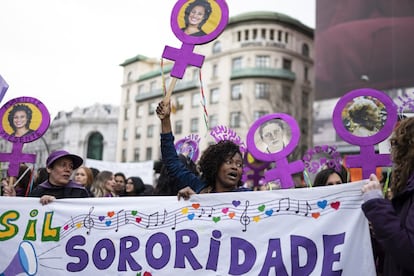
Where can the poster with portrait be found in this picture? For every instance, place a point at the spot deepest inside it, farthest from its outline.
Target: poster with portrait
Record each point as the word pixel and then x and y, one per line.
pixel 272 136
pixel 23 120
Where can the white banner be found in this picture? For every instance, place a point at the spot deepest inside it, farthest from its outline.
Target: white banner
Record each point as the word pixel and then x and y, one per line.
pixel 145 170
pixel 307 231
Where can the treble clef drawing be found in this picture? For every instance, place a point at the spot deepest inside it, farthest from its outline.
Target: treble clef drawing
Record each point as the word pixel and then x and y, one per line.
pixel 88 222
pixel 245 219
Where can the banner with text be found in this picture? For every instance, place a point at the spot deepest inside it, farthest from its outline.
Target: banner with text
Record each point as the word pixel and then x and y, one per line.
pixel 307 231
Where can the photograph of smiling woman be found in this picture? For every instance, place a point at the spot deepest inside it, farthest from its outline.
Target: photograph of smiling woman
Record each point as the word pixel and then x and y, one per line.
pixel 195 16
pixel 19 119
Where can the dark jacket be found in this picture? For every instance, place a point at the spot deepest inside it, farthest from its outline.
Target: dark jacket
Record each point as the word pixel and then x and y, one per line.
pixel 70 190
pixel 393 224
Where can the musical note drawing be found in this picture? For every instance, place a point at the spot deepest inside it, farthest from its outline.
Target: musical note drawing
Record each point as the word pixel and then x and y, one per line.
pixel 175 222
pixel 117 220
pixel 73 222
pixel 308 208
pixel 149 219
pixel 165 216
pixel 211 212
pixel 280 202
pixel 244 218
pixel 126 219
pixel 88 221
pixel 202 213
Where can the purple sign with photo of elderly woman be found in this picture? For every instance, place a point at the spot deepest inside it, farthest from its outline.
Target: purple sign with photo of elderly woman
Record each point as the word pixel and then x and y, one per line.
pixel 365 117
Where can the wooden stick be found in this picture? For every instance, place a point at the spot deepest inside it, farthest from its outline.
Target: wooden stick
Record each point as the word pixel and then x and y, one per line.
pixel 170 90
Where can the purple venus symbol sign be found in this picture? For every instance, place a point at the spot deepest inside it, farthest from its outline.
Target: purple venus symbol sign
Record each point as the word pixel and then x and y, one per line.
pixel 272 138
pixel 365 117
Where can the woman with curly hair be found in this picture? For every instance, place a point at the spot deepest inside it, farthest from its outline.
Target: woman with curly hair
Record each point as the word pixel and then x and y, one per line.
pixel 393 221
pixel 19 119
pixel 195 16
pixel 220 165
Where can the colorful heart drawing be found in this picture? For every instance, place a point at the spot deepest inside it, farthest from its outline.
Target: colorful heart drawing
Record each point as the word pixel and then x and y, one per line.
pixel 138 219
pixel 111 214
pixel 108 222
pixel 269 212
pixel 261 208
pixel 216 219
pixel 322 204
pixel 66 227
pixel 231 215
pixel 101 218
pixel 138 274
pixel 191 216
pixel 236 203
pixel 134 212
pixel 184 211
pixel 79 225
pixel 146 273
pixel 335 205
pixel 256 218
pixel 195 205
pixel 316 215
pixel 224 210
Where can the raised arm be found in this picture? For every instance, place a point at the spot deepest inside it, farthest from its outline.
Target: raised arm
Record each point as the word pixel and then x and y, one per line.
pixel 163 112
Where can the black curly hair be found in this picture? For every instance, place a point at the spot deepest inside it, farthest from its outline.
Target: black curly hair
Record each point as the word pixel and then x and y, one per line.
pixel 213 157
pixel 203 3
pixel 20 107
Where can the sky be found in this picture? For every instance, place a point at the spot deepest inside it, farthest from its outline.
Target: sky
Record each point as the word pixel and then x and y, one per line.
pixel 66 53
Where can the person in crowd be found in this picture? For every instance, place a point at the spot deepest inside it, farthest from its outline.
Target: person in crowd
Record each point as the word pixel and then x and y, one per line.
pixel 134 186
pixel 273 135
pixel 329 176
pixel 120 181
pixel 195 16
pixel 95 171
pixel 60 165
pixel 392 221
pixel 167 183
pixel 22 185
pixel 220 164
pixel 41 176
pixel 84 176
pixel 103 184
pixel 20 117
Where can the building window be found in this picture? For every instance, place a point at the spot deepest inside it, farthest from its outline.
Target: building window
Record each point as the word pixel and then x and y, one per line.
pixel 178 127
pixel 126 114
pixel 236 93
pixel 254 34
pixel 246 35
pixel 148 154
pixel 236 63
pixel 215 71
pixel 138 131
pixel 263 34
pixel 151 108
pixel 95 146
pixel 140 89
pixel 304 126
pixel 136 155
pixel 214 95
pixel 306 73
pixel 153 85
pixel 150 131
pixel 217 47
pixel 263 61
pixel 272 35
pixel 179 103
pixel 286 37
pixel 239 36
pixel 125 134
pixel 123 157
pixel 235 119
pixel 287 64
pixel 195 100
pixel 213 121
pixel 129 77
pixel 127 95
pixel 55 135
pixel 286 94
pixel 194 125
pixel 139 111
pixel 305 50
pixel 262 90
pixel 279 36
pixel 305 100
pixel 258 114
